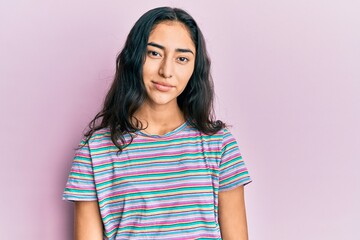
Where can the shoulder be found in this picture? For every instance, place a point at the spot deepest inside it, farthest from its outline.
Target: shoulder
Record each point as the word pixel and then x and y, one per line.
pixel 227 138
pixel 98 137
pixel 224 133
pixel 221 132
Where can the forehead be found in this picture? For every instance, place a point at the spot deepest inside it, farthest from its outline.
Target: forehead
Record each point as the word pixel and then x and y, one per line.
pixel 172 35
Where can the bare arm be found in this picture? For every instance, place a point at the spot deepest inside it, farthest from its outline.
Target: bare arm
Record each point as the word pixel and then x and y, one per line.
pixel 88 224
pixel 232 214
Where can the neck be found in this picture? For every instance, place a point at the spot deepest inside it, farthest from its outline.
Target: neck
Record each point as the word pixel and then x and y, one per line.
pixel 159 120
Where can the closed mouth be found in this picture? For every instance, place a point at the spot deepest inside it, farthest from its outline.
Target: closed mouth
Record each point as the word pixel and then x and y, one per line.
pixel 162 84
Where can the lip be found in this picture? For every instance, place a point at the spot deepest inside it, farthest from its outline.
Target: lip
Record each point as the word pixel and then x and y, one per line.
pixel 161 86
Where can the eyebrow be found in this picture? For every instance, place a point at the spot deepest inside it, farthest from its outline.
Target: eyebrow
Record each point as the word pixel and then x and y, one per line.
pixel 184 50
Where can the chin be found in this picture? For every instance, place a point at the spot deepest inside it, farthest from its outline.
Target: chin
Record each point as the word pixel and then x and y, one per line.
pixel 161 101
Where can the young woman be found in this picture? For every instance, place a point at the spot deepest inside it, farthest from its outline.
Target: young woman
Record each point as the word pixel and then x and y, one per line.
pixel 154 163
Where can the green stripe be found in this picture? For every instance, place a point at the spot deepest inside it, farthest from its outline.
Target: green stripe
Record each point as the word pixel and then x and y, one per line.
pixel 81 175
pixel 81 191
pixel 234 178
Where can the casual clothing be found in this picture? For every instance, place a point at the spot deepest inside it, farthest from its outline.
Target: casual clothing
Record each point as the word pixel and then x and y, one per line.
pixel 158 187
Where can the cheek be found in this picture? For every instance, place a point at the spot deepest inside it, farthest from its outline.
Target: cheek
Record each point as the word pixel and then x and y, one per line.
pixel 148 69
pixel 145 71
pixel 187 73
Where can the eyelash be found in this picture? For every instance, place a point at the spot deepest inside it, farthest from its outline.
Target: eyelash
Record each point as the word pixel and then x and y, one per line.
pixel 186 59
pixel 152 53
pixel 156 54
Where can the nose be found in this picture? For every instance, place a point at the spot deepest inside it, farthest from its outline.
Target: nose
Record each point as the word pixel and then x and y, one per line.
pixel 166 68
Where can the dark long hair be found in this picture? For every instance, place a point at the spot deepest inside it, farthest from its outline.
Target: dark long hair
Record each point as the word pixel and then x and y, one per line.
pixel 128 93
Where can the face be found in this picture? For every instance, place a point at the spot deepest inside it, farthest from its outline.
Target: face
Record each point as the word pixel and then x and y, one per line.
pixel 169 64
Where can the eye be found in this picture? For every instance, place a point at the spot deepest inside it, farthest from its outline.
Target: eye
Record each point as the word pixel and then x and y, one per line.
pixel 153 54
pixel 183 59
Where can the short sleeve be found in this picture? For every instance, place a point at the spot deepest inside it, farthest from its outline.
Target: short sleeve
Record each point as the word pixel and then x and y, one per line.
pixel 80 185
pixel 233 171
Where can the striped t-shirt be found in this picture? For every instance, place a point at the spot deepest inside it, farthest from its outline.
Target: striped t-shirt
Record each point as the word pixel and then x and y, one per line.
pixel 158 187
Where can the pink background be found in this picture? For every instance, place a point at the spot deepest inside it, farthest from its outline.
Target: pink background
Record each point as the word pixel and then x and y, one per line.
pixel 287 76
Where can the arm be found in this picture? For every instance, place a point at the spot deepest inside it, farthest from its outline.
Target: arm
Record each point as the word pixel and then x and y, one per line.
pixel 232 215
pixel 88 224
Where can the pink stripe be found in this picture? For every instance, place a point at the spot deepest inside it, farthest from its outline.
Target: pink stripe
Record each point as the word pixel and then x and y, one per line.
pixel 155 155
